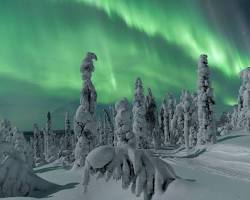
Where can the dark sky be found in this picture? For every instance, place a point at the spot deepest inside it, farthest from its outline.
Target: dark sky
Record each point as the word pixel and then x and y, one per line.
pixel 43 42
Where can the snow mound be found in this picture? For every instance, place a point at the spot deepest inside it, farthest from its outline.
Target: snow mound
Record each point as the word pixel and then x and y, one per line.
pixel 17 179
pixel 135 168
pixel 99 157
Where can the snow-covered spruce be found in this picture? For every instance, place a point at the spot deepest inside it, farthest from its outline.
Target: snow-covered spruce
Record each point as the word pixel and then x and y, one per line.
pixel 106 129
pixel 157 137
pixel 85 126
pixel 240 116
pixel 168 107
pixel 38 146
pixel 205 102
pixel 151 116
pixel 134 167
pixel 123 121
pixel 186 103
pixel 177 125
pixel 15 139
pixel 68 137
pixel 23 148
pixel 50 148
pixel 139 119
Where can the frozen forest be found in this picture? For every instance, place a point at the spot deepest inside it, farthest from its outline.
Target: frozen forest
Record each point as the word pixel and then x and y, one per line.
pixel 139 147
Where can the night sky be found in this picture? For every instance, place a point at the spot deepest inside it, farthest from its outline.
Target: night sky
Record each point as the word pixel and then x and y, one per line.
pixel 42 43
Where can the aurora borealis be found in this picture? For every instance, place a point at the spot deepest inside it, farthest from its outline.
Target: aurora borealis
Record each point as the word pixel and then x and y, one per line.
pixel 42 43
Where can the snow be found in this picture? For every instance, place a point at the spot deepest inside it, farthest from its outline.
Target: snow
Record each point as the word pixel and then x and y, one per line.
pixel 222 172
pixel 98 158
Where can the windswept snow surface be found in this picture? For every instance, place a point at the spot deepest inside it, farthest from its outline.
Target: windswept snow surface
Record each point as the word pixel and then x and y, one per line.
pixel 221 173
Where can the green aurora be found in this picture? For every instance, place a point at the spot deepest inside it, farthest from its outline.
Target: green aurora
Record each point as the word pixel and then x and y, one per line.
pixel 42 43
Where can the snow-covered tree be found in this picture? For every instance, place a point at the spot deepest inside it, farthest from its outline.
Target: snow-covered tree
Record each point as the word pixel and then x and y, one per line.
pixel 123 122
pixel 194 126
pixel 186 103
pixel 239 116
pixel 85 125
pixel 108 128
pixel 6 131
pixel 177 125
pixel 80 153
pixel 135 168
pixel 157 137
pixel 161 124
pixel 102 137
pixel 151 114
pixel 50 147
pixel 234 117
pixel 191 137
pixel 68 134
pixel 205 102
pixel 139 113
pixel 22 147
pixel 38 143
pixel 168 113
pixel 16 176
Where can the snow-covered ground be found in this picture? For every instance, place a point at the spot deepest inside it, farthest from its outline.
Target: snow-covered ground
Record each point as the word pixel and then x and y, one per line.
pixel 222 172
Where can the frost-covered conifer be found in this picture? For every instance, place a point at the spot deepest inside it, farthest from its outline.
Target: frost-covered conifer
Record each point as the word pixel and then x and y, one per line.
pixel 157 137
pixel 161 122
pixel 123 122
pixel 239 117
pixel 194 126
pixel 168 112
pixel 205 102
pixel 6 130
pixel 22 147
pixel 85 125
pixel 177 125
pixel 38 143
pixel 50 147
pixel 139 112
pixel 151 114
pixel 68 135
pixel 186 103
pixel 108 128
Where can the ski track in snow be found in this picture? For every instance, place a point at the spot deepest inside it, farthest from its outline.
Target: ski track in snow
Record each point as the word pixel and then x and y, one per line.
pixel 231 161
pixel 211 168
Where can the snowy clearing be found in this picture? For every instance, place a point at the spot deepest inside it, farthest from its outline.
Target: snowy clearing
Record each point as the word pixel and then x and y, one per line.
pixel 222 172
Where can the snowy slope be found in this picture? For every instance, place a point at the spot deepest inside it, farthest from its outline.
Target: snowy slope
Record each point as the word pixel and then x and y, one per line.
pixel 221 173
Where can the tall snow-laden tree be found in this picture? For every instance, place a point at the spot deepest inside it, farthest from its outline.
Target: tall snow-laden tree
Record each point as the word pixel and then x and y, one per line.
pixel 123 122
pixel 68 135
pixel 205 102
pixel 151 114
pixel 240 111
pixel 85 125
pixel 157 137
pixel 186 108
pixel 177 125
pixel 168 112
pixel 139 112
pixel 50 147
pixel 38 143
pixel 108 128
pixel 194 126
